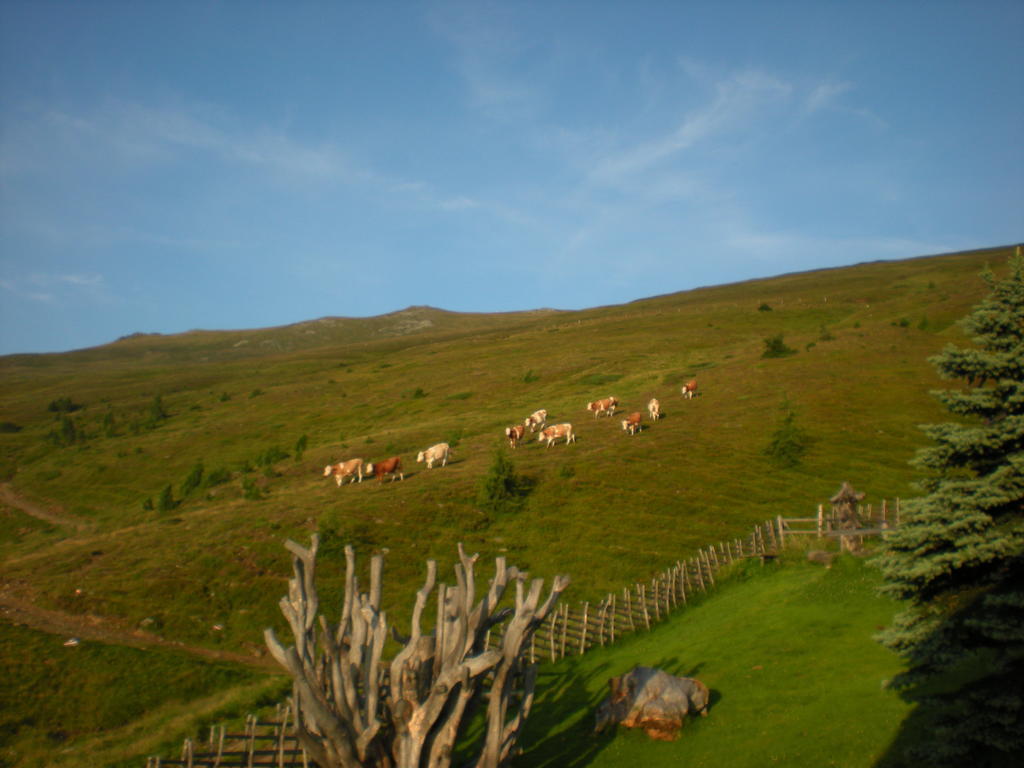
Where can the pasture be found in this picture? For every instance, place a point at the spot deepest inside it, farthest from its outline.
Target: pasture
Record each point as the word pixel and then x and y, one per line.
pixel 239 425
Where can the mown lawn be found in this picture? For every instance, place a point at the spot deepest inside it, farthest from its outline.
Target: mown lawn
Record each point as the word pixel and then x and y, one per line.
pixel 788 653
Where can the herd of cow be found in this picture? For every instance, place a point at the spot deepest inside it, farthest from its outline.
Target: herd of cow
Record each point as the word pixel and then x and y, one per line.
pixel 356 469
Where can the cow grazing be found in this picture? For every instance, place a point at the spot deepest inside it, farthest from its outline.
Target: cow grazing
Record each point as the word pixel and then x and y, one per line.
pixel 352 468
pixel 606 406
pixel 690 389
pixel 553 433
pixel 632 423
pixel 536 420
pixel 515 434
pixel 653 700
pixel 439 452
pixel 654 409
pixel 392 466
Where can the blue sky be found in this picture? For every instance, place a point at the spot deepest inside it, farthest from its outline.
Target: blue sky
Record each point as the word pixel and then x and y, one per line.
pixel 167 166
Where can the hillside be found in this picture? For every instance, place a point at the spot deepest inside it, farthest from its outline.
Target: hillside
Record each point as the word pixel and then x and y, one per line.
pixel 90 439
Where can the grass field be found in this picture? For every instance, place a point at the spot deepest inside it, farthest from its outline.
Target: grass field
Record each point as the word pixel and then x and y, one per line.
pixel 91 440
pixel 795 676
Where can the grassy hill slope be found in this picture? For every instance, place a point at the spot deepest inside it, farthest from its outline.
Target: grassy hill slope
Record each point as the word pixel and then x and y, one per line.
pixel 610 509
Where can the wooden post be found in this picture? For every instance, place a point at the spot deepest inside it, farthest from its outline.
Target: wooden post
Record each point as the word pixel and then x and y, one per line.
pixel 711 571
pixel 642 595
pixel 583 633
pixel 611 597
pixel 565 627
pixel 657 599
pixel 551 634
pixel 629 608
pixel 821 518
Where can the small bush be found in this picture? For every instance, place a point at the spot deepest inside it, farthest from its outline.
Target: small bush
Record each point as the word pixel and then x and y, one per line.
pixel 825 335
pixel 774 346
pixel 903 322
pixel 460 396
pixel 224 397
pixel 300 447
pixel 194 479
pixel 9 427
pixel 789 442
pixel 166 502
pixel 255 393
pixel 250 490
pixel 502 490
pixel 63 405
pixel 217 477
pixel 530 377
pixel 765 307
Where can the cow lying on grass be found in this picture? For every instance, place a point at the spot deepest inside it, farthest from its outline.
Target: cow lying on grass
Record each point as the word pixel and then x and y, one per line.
pixel 653 700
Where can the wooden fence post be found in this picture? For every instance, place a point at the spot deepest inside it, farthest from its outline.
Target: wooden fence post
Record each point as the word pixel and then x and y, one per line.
pixel 611 597
pixel 821 518
pixel 583 633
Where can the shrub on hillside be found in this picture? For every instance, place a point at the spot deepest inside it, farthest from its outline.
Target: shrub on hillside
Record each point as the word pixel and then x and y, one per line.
pixel 194 479
pixel 166 502
pixel 789 442
pixel 502 490
pixel 63 405
pixel 774 346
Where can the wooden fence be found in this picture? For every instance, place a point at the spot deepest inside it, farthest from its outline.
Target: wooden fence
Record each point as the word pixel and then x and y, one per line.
pixel 877 522
pixel 263 744
pixel 573 630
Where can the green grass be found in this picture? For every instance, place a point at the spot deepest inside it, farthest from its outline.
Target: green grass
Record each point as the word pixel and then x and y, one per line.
pixel 795 676
pixel 102 689
pixel 608 510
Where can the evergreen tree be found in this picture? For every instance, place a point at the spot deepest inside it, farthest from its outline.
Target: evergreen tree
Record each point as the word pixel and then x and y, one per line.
pixel 958 557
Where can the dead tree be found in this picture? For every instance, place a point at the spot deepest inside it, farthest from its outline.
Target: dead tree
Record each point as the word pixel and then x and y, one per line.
pixel 353 711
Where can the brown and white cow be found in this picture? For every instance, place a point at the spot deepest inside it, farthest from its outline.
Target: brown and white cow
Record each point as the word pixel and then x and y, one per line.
pixel 605 405
pixel 434 453
pixel 553 433
pixel 654 409
pixel 536 420
pixel 392 466
pixel 690 389
pixel 632 422
pixel 352 468
pixel 515 434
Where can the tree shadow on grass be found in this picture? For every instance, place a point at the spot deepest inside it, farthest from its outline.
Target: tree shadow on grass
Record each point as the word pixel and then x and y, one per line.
pixel 560 731
pixel 567 695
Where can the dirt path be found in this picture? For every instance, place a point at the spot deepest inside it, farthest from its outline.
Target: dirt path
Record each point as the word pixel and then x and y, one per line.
pixel 12 498
pixel 18 609
pixel 85 628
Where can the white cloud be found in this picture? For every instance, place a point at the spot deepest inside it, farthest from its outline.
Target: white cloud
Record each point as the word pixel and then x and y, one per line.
pixel 736 100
